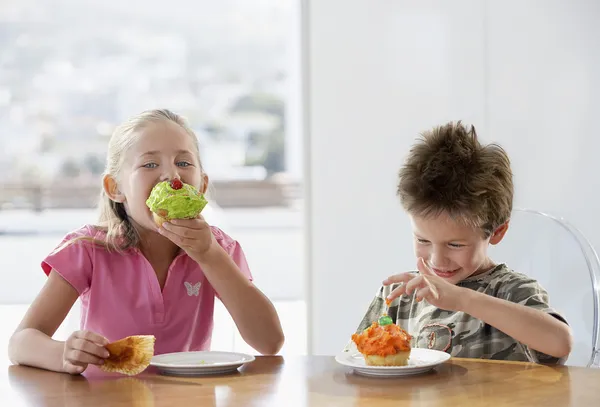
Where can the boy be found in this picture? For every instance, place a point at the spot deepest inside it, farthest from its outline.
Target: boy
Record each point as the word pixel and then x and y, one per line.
pixel 458 195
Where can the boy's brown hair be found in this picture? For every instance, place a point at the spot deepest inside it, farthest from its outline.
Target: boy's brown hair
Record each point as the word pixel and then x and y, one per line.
pixel 450 171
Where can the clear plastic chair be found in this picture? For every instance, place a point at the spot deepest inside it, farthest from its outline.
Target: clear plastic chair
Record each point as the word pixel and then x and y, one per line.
pixel 556 254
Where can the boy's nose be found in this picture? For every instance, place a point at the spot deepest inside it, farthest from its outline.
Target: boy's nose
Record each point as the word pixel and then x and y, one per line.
pixel 438 260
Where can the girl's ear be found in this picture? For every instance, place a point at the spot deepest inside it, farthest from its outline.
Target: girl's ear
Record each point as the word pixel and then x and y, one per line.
pixel 111 188
pixel 204 183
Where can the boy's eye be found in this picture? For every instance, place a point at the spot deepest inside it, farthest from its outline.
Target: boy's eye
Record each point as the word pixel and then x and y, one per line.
pixel 150 165
pixel 422 241
pixel 456 245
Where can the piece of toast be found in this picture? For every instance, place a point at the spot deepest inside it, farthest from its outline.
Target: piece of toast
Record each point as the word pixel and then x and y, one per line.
pixel 130 355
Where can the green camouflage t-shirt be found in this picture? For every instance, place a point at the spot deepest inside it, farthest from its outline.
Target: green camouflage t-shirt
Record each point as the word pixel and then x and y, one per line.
pixel 460 334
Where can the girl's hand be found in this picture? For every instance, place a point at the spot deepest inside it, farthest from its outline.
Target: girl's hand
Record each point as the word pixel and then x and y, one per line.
pixel 192 235
pixel 83 348
pixel 429 287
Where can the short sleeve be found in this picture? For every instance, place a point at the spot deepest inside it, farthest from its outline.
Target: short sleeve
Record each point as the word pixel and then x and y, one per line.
pixel 72 261
pixel 528 292
pixel 235 251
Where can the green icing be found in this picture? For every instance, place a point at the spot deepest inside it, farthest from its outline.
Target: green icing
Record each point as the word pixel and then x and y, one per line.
pixel 184 203
pixel 385 320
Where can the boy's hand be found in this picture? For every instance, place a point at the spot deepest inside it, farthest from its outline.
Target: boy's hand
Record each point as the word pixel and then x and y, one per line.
pixel 429 287
pixel 83 348
pixel 192 235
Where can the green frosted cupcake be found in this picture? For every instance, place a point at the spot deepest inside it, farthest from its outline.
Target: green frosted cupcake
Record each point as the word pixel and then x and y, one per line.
pixel 175 200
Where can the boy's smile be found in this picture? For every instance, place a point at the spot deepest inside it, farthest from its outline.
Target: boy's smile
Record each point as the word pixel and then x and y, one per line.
pixel 444 273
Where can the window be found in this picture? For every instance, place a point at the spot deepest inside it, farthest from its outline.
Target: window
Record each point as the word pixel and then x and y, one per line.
pixel 70 71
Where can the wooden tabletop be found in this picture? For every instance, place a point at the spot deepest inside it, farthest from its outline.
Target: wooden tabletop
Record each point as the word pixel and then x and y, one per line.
pixel 312 381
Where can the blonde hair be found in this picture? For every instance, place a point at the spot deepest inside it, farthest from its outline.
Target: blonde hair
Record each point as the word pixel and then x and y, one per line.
pixel 113 221
pixel 450 171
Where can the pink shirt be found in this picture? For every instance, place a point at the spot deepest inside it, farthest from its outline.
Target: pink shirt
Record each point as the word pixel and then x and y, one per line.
pixel 120 294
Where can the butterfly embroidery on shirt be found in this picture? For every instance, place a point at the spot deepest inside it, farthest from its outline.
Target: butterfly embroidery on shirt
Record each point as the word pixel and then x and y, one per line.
pixel 192 289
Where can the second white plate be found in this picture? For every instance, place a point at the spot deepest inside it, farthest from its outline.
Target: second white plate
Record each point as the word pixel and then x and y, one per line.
pixel 420 361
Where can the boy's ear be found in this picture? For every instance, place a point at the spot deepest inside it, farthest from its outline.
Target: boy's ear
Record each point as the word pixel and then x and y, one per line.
pixel 112 189
pixel 499 233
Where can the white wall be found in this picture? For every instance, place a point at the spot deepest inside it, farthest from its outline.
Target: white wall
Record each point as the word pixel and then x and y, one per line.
pixel 543 60
pixel 523 72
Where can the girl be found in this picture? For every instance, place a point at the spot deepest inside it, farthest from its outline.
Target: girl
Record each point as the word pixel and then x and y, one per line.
pixel 136 279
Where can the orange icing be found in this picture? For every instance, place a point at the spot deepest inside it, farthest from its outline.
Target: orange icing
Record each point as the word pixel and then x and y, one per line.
pixel 382 340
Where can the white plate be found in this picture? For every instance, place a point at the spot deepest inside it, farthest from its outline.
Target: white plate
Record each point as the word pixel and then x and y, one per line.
pixel 420 361
pixel 199 363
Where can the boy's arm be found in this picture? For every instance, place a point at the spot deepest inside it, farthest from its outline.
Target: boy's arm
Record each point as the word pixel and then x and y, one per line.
pixel 534 328
pixel 519 308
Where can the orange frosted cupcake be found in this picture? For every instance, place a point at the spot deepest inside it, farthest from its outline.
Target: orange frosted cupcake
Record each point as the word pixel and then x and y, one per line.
pixel 384 345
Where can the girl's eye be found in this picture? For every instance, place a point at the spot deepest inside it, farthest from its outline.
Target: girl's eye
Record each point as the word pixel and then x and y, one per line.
pixel 422 241
pixel 150 165
pixel 456 245
pixel 183 164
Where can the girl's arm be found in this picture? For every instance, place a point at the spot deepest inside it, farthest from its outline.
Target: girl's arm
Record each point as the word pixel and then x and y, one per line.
pixel 253 313
pixel 32 344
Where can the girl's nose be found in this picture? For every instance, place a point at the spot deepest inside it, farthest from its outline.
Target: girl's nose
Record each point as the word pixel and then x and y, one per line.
pixel 170 173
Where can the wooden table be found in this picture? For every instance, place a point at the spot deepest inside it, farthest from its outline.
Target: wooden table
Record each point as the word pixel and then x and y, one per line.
pixel 312 381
